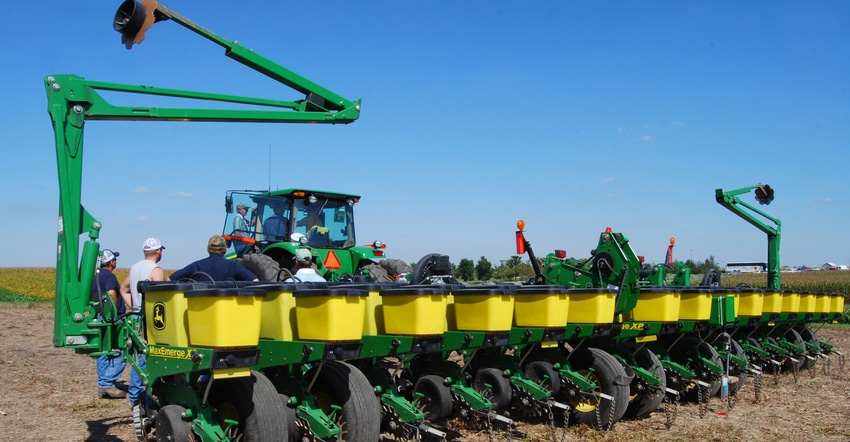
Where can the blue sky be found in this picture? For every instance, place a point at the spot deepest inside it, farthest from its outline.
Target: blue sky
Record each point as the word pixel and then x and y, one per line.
pixel 573 116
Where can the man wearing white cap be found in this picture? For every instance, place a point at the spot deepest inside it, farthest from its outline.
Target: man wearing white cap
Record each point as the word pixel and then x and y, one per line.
pixel 147 269
pixel 305 273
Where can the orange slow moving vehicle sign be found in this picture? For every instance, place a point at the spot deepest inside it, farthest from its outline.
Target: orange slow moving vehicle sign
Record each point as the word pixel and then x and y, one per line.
pixel 331 261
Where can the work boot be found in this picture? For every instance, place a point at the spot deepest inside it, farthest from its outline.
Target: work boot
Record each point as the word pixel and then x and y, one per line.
pixel 111 393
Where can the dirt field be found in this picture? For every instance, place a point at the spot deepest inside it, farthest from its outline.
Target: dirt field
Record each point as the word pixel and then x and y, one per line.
pixel 49 393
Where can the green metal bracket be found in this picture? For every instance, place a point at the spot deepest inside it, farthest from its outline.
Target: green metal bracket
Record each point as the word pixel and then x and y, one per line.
pixel 582 382
pixel 474 399
pixel 748 212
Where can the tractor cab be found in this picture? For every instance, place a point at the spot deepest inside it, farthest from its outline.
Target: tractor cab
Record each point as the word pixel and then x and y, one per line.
pixel 277 223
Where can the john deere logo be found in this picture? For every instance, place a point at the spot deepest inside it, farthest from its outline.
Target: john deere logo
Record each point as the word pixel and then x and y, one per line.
pixel 159 316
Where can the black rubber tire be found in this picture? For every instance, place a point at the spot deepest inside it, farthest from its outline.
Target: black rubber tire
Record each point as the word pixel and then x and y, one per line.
pixel 436 403
pixel 263 266
pixel 254 403
pixel 499 393
pixel 793 337
pixel 423 270
pixel 341 384
pixel 686 352
pixel 773 368
pixel 543 373
pixel 649 399
pixel 610 377
pixel 737 375
pixel 289 419
pixel 170 426
pixel 809 336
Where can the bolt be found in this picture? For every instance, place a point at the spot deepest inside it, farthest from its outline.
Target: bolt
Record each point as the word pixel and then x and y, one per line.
pixel 77 109
pixel 78 317
pixel 56 87
pixel 51 79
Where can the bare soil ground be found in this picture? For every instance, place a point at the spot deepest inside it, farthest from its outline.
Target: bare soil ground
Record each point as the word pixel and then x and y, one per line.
pixel 49 393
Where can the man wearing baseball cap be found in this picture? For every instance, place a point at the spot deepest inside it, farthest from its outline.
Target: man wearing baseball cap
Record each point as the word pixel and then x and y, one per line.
pixel 215 266
pixel 105 285
pixel 147 269
pixel 240 228
pixel 305 273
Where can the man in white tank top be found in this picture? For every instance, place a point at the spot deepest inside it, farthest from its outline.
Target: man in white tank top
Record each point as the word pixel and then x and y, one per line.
pixel 147 269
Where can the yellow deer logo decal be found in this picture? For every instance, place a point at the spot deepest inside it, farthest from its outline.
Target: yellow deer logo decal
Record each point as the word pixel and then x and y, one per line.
pixel 159 316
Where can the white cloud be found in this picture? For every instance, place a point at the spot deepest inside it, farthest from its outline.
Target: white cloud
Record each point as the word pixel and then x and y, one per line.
pixel 186 194
pixel 144 189
pixel 607 180
pixel 646 138
pixel 141 218
pixel 677 123
pixel 621 129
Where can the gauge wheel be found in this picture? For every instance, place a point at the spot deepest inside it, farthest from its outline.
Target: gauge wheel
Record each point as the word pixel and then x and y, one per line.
pixel 254 403
pixel 493 385
pixel 435 401
pixel 544 374
pixel 645 399
pixel 170 425
pixel 737 375
pixel 343 385
pixel 610 378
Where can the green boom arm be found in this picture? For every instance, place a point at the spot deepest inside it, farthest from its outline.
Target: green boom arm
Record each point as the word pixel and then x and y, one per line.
pixel 72 100
pixel 748 212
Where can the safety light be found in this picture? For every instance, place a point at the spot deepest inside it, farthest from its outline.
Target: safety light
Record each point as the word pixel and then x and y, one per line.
pixel 672 241
pixel 520 242
pixel 520 224
pixel 312 198
pixel 608 230
pixel 560 254
pixel 641 259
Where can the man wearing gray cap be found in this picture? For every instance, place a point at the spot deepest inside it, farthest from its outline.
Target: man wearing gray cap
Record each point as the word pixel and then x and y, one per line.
pixel 240 228
pixel 305 273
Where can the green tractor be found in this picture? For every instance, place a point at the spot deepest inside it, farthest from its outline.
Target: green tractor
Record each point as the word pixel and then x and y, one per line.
pixel 265 228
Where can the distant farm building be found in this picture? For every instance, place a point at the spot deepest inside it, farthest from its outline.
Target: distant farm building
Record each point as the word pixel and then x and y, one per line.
pixel 833 266
pixel 746 267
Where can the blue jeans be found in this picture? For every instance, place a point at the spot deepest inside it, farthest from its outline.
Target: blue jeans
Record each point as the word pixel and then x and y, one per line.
pixel 136 389
pixel 109 370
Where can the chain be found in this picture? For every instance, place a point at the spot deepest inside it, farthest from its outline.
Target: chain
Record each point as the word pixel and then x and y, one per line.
pixel 775 374
pixel 489 429
pixel 813 367
pixel 826 366
pixel 599 425
pixel 671 409
pixel 794 371
pixel 702 399
pixel 757 379
pixel 841 366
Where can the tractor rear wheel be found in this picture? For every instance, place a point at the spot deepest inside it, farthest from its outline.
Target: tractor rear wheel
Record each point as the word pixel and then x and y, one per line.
pixel 254 403
pixel 343 385
pixel 263 266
